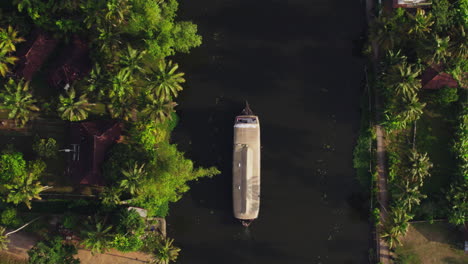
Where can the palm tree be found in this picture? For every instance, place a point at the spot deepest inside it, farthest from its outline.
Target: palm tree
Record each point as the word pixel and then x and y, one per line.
pixel 9 38
pixel 24 190
pixel 439 50
pixel 72 108
pixel 383 32
pixel 420 166
pixel 459 45
pixel 394 58
pixel 131 59
pixel 165 251
pixel 121 109
pixel 19 101
pixel 110 196
pixel 420 23
pixel 158 109
pixel 408 196
pixel 4 241
pixel 116 11
pixel 133 176
pixel 404 79
pixel 5 61
pixel 412 109
pixel 96 237
pixel 165 81
pixel 121 85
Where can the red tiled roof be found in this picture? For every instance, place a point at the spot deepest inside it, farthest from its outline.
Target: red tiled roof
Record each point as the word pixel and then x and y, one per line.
pixel 33 54
pixel 94 138
pixel 433 78
pixel 72 64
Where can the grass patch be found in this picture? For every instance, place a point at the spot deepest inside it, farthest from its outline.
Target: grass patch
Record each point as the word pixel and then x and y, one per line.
pixel 5 258
pixel 432 244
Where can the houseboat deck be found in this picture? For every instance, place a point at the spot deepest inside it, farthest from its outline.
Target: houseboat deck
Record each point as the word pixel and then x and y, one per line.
pixel 246 167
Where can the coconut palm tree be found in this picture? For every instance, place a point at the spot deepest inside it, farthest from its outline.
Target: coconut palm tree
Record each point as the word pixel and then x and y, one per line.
pixel 459 45
pixel 165 252
pixel 165 81
pixel 420 23
pixel 408 196
pixel 121 109
pixel 24 190
pixel 9 38
pixel 383 32
pixel 394 58
pixel 133 177
pixel 404 79
pixel 18 99
pixel 131 59
pixel 72 108
pixel 5 60
pixel 439 50
pixel 110 196
pixel 390 237
pixel 412 109
pixel 420 166
pixel 158 109
pixel 116 11
pixel 122 85
pixel 4 241
pixel 96 236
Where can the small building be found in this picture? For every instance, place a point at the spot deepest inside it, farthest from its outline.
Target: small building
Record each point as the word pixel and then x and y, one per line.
pixel 411 3
pixel 91 141
pixel 433 78
pixel 33 53
pixel 73 63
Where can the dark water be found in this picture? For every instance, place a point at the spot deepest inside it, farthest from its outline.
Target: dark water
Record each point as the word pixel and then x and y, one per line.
pixel 297 63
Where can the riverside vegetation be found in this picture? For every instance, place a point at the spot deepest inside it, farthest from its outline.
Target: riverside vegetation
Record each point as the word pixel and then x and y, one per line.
pixel 426 129
pixel 132 80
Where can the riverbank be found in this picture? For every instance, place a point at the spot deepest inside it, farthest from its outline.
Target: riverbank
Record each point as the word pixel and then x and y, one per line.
pixel 419 170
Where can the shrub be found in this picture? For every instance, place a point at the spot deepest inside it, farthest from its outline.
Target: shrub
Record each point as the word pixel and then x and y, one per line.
pixel 45 148
pixel 9 218
pixel 70 220
pixel 445 96
pixel 51 252
pixel 127 243
pixel 130 222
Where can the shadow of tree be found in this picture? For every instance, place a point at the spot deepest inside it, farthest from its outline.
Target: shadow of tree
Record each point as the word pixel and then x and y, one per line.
pixel 440 232
pixel 452 260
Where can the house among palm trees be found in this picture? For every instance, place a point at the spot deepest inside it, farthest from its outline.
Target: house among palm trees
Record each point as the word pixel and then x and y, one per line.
pixel 33 53
pixel 90 142
pixel 433 78
pixel 72 64
pixel 411 3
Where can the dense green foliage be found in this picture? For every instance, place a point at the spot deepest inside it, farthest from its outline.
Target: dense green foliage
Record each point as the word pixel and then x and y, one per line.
pixel 410 43
pixel 52 251
pixel 19 180
pixel 17 98
pixel 9 218
pixel 45 148
pixel 458 193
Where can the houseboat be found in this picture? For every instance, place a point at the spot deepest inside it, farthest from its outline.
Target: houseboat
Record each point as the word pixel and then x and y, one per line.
pixel 246 167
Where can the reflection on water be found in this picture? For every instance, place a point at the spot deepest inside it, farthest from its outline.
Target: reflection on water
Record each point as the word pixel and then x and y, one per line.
pixel 295 62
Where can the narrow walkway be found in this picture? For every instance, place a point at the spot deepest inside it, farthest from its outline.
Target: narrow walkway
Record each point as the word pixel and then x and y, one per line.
pixel 383 250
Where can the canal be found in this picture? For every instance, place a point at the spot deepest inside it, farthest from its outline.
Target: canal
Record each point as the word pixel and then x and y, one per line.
pixel 297 63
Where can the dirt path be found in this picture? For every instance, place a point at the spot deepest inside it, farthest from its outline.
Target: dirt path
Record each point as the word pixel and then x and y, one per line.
pixel 383 250
pixel 21 242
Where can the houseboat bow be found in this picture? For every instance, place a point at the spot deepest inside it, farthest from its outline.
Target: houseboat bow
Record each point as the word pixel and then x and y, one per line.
pixel 246 167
